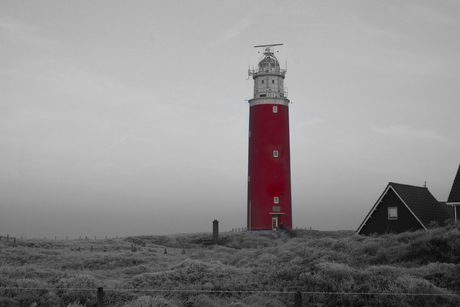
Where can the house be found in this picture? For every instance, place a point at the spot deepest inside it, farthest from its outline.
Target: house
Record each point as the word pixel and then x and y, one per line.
pixel 449 209
pixel 402 207
pixel 454 196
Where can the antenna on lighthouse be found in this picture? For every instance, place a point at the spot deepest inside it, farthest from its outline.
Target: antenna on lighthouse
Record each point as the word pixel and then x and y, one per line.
pixel 268 49
pixel 271 45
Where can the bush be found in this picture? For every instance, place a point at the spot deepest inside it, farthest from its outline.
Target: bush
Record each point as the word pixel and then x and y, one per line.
pixel 262 301
pixel 201 301
pixel 78 289
pixel 148 301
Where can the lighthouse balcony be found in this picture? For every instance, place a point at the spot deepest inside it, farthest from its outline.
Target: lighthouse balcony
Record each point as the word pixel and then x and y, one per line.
pixel 269 71
pixel 270 94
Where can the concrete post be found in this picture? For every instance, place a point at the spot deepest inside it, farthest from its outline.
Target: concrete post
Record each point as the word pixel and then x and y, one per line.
pixel 215 231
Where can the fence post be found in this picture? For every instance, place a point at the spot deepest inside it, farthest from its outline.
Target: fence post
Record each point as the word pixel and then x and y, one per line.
pixel 215 231
pixel 100 297
pixel 297 298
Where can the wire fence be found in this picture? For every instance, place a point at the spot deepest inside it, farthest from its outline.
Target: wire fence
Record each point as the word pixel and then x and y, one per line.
pixel 291 298
pixel 11 238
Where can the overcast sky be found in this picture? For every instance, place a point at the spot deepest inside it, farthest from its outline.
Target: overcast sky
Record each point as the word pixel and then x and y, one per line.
pixel 122 118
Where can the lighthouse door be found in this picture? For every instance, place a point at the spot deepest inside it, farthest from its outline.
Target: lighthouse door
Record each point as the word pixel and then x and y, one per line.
pixel 274 222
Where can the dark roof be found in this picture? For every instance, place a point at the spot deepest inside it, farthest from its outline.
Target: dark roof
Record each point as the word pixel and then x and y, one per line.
pixel 448 208
pixel 454 196
pixel 421 202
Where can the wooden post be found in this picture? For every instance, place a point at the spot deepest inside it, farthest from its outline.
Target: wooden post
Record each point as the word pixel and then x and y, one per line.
pixel 297 298
pixel 100 297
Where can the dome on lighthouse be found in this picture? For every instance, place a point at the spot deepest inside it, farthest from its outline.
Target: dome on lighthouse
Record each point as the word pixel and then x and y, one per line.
pixel 269 63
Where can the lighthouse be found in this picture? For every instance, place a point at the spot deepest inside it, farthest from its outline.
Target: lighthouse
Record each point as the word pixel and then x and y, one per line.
pixel 269 162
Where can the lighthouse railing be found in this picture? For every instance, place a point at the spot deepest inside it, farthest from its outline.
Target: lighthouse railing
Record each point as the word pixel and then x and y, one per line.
pixel 254 72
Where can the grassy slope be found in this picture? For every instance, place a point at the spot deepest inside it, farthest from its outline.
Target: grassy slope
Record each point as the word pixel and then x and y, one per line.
pixel 260 265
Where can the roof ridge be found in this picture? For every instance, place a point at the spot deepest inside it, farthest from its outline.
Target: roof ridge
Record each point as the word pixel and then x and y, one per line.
pixel 408 185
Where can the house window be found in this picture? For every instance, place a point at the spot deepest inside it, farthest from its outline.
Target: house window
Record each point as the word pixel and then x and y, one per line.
pixel 262 81
pixel 276 200
pixel 276 208
pixel 275 109
pixel 275 153
pixel 392 213
pixel 273 81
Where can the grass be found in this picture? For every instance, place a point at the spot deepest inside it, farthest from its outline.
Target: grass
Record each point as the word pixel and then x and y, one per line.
pixel 262 268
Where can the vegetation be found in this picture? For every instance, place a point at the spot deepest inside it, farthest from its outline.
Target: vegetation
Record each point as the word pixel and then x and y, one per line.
pixel 262 268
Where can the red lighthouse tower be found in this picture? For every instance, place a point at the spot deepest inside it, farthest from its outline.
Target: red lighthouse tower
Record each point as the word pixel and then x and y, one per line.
pixel 269 167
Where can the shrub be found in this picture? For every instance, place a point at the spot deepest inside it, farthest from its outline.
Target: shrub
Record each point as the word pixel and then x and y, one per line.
pixel 30 291
pixel 429 249
pixel 201 301
pixel 262 301
pixel 8 302
pixel 79 289
pixel 148 301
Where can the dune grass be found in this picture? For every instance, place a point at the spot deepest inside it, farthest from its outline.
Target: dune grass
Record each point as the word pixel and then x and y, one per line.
pixel 261 268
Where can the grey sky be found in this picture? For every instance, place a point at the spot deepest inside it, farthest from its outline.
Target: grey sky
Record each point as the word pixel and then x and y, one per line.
pixel 129 118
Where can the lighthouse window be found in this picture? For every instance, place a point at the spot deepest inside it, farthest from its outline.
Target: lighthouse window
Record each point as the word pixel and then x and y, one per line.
pixel 275 153
pixel 276 199
pixel 275 109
